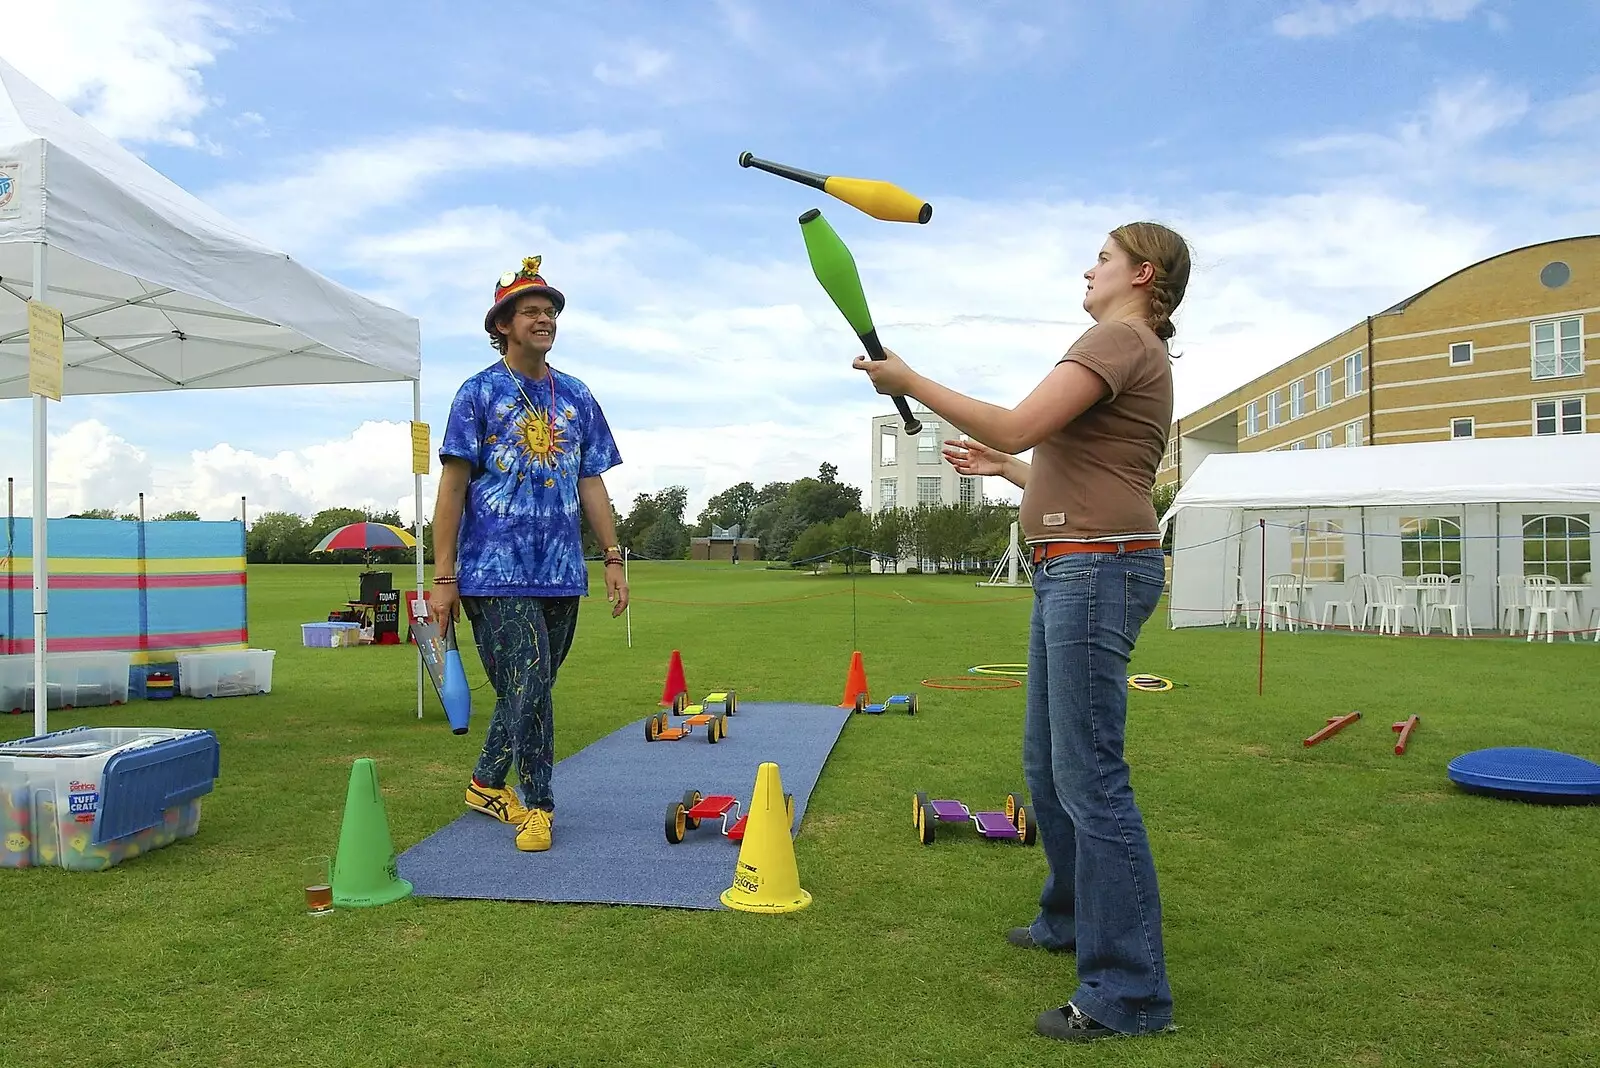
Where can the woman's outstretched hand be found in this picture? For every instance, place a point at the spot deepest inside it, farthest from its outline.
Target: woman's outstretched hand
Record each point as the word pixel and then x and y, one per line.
pixel 975 458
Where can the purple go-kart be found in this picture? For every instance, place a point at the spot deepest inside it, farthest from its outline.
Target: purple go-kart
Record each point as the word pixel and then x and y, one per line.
pixel 1015 823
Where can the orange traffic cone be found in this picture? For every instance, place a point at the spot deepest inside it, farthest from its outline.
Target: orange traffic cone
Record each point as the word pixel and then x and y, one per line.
pixel 854 683
pixel 675 684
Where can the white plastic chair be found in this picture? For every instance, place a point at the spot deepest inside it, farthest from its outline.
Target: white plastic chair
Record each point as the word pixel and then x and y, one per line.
pixel 1544 600
pixel 1394 602
pixel 1284 592
pixel 1372 591
pixel 1242 605
pixel 1435 590
pixel 1456 595
pixel 1513 601
pixel 1353 587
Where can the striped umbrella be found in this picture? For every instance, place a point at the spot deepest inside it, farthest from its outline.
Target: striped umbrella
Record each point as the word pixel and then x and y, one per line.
pixel 366 536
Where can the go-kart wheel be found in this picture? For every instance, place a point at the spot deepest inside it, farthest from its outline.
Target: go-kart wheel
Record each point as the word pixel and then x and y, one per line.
pixel 919 801
pixel 712 730
pixel 911 705
pixel 1025 825
pixel 733 702
pixel 723 729
pixel 861 702
pixel 650 729
pixel 676 822
pixel 679 703
pixel 1013 806
pixel 691 798
pixel 925 823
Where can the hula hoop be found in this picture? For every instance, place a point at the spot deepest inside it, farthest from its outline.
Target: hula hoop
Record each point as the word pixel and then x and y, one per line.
pixel 942 682
pixel 1149 683
pixel 1014 670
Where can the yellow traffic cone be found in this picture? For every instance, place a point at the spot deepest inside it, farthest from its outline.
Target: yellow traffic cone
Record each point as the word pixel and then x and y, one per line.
pixel 765 879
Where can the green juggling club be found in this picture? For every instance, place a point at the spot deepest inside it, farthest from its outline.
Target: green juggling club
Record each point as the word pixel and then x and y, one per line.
pixel 835 268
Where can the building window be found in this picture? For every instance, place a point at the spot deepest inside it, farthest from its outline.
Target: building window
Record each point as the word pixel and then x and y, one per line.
pixel 1556 545
pixel 1324 386
pixel 1460 353
pixel 1558 348
pixel 928 489
pixel 1252 419
pixel 1325 440
pixel 969 491
pixel 888 445
pixel 1297 399
pixel 1430 546
pixel 888 493
pixel 1296 446
pixel 928 444
pixel 1461 428
pixel 1317 552
pixel 1352 435
pixel 1352 374
pixel 1273 401
pixel 1563 415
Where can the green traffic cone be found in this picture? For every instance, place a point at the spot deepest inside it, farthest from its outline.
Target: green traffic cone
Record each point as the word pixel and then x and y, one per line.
pixel 364 872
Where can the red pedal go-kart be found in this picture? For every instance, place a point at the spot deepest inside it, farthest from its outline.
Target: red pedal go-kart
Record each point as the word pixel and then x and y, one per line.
pixel 1015 823
pixel 685 815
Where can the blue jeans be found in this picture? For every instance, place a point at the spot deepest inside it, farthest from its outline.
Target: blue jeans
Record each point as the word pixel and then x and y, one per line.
pixel 1100 888
pixel 522 642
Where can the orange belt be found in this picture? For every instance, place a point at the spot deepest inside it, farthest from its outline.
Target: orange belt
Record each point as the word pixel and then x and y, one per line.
pixel 1051 549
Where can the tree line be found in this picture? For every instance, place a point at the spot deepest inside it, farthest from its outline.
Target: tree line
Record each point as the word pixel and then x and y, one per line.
pixel 804 521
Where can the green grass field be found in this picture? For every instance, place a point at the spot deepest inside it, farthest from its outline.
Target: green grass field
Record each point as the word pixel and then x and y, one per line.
pixel 1337 905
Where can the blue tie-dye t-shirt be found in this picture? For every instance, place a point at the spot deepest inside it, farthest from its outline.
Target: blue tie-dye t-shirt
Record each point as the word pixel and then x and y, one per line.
pixel 520 533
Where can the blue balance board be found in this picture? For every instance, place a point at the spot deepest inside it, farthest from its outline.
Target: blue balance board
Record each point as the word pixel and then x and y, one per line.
pixel 1537 774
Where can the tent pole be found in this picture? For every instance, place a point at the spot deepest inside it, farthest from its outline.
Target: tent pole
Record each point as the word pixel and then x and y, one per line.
pixel 1497 610
pixel 11 564
pixel 416 521
pixel 41 509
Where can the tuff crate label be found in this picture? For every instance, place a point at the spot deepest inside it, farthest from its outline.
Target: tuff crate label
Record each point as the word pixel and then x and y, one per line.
pixel 83 800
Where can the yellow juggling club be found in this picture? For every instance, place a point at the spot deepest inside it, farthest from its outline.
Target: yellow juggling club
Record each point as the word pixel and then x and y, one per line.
pixel 881 200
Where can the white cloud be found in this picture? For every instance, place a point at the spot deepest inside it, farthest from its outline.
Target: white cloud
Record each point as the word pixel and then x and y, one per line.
pixel 1325 18
pixel 131 67
pixel 1578 110
pixel 92 467
pixel 323 195
pixel 1456 118
pixel 634 64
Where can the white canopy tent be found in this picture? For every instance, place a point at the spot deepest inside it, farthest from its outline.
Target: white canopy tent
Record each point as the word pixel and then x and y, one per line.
pixel 1341 512
pixel 158 292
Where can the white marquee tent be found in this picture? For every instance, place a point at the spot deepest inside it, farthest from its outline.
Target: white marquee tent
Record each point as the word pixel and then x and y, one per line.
pixel 1492 504
pixel 158 292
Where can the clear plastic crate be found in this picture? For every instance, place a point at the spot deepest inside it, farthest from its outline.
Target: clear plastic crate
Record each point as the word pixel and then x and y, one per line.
pixel 330 635
pixel 230 673
pixel 88 798
pixel 72 680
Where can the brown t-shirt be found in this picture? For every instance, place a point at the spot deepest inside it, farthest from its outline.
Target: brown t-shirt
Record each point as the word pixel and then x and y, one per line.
pixel 1092 478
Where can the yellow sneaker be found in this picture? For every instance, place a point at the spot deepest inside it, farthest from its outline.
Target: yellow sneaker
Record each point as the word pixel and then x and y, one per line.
pixel 534 837
pixel 502 803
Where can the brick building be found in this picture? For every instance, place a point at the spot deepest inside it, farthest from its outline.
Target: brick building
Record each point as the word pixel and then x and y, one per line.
pixel 1498 349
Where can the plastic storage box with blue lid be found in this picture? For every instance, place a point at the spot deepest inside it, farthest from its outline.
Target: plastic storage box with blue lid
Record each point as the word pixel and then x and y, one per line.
pixel 89 798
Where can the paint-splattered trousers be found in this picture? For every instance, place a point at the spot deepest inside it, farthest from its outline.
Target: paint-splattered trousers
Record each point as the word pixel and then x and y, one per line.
pixel 522 642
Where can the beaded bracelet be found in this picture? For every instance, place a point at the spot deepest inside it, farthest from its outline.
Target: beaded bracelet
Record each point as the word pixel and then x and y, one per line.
pixel 443 581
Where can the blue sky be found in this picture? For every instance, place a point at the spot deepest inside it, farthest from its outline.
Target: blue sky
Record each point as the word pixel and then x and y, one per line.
pixel 1325 158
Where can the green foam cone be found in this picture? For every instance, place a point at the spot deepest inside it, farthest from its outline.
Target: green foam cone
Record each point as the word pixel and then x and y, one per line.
pixel 364 871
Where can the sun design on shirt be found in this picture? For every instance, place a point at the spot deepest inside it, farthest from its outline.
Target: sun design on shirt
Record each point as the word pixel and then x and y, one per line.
pixel 540 439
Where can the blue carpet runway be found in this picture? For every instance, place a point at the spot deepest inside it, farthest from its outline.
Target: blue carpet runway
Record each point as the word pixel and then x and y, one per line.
pixel 611 804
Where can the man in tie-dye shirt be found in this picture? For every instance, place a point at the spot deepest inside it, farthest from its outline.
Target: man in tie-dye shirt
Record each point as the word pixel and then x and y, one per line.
pixel 523 453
